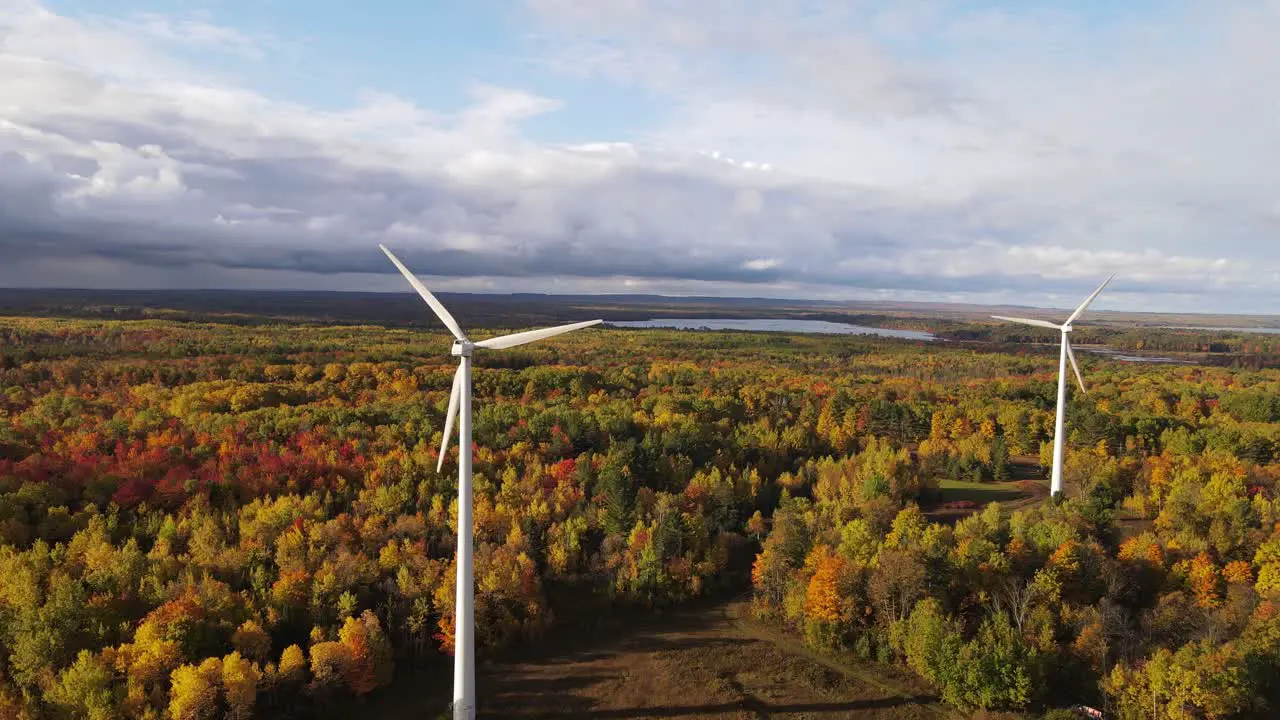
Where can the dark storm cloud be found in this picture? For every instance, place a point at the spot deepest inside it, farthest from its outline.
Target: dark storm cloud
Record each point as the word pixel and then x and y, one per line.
pixel 172 234
pixel 315 186
pixel 258 212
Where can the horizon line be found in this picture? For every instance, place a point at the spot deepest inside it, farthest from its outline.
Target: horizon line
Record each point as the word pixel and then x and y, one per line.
pixel 888 304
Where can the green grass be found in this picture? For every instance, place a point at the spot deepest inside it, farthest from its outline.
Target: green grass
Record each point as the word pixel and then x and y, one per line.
pixel 981 493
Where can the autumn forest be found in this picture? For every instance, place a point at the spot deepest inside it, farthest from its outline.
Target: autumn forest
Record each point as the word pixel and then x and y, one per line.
pixel 201 519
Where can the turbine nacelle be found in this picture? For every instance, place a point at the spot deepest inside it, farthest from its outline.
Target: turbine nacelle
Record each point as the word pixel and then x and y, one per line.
pixel 1065 328
pixel 464 347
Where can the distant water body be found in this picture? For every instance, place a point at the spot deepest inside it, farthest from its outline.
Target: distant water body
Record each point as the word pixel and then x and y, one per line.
pixel 1118 355
pixel 1258 330
pixel 774 325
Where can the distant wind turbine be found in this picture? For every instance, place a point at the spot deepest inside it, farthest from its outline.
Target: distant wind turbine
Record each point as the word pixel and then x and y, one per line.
pixel 1055 483
pixel 464 667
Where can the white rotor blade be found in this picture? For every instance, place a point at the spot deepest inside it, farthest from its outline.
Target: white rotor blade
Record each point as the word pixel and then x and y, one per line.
pixel 506 341
pixel 440 310
pixel 1074 366
pixel 1085 305
pixel 1025 321
pixel 454 398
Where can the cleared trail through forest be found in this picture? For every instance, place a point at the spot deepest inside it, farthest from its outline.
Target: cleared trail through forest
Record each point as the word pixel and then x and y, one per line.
pixel 705 661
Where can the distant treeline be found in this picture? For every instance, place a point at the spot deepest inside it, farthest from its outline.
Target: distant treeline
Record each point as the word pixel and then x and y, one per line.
pixel 1243 349
pixel 256 308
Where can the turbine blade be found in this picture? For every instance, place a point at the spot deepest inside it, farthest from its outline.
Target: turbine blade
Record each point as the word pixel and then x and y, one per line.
pixel 1085 305
pixel 1026 321
pixel 506 341
pixel 439 309
pixel 1074 365
pixel 454 399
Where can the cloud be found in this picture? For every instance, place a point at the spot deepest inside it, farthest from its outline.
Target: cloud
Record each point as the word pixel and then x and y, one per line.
pixel 1062 141
pixel 918 150
pixel 760 264
pixel 194 33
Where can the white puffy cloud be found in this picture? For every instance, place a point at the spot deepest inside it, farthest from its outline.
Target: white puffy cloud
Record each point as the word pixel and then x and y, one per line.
pixel 918 150
pixel 1059 145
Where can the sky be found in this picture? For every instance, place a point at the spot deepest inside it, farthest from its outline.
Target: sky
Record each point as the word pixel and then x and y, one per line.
pixel 991 151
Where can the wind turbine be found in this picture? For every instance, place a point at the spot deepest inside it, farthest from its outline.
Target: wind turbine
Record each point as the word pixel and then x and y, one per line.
pixel 464 667
pixel 1055 482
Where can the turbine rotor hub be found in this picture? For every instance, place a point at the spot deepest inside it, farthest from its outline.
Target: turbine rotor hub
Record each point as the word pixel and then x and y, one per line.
pixel 462 348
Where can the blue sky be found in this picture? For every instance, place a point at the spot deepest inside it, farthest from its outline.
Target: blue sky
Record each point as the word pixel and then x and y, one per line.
pixel 916 149
pixel 432 52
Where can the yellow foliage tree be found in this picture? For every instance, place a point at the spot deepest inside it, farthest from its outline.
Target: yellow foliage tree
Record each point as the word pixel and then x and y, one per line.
pixel 330 663
pixel 293 664
pixel 195 691
pixel 240 680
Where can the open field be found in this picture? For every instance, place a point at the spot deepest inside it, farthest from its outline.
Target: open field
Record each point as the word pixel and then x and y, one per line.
pixel 702 661
pixel 979 492
pixel 959 498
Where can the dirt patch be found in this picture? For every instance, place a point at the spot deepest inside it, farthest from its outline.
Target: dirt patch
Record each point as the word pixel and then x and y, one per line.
pixel 695 662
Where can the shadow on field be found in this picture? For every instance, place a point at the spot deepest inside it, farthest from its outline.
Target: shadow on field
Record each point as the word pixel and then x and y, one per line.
pixel 699 660
pixel 748 706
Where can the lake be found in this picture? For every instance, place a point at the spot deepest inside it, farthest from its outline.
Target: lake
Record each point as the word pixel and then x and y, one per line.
pixel 773 325
pixel 1118 355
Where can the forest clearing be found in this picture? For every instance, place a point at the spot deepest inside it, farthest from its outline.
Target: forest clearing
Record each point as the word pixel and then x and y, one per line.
pixel 704 661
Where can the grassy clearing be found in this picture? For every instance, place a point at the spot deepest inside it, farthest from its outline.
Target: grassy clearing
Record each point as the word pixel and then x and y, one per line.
pixel 959 498
pixel 979 493
pixel 700 661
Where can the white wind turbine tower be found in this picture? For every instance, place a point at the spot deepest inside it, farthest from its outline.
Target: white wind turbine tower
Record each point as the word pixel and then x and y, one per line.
pixel 464 668
pixel 1055 483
